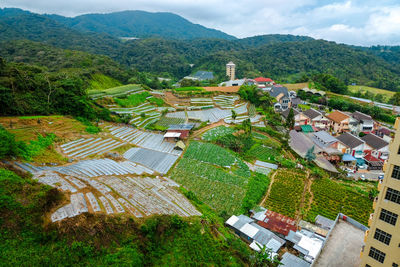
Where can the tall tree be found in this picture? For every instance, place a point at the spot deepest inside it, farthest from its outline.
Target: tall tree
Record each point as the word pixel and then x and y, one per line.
pixel 290 119
pixel 310 155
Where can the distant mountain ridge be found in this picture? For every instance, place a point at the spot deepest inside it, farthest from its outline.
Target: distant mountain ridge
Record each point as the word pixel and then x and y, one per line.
pixel 138 23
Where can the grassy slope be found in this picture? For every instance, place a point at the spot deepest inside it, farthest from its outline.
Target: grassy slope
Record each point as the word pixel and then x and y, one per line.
pixel 375 91
pixel 100 81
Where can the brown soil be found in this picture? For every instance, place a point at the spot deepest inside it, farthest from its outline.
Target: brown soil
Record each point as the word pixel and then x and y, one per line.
pixel 171 99
pixel 225 89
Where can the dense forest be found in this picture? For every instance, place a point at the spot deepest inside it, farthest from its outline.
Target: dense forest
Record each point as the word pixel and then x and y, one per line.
pixel 285 58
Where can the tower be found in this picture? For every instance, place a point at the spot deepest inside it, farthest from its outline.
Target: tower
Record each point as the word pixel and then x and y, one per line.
pixel 382 241
pixel 230 70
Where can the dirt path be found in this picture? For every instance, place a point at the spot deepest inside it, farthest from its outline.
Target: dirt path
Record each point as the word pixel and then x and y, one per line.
pixel 307 188
pixel 269 189
pixel 208 127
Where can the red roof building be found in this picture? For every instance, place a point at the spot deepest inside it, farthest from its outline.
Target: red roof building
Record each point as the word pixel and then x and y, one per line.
pixel 278 223
pixel 263 80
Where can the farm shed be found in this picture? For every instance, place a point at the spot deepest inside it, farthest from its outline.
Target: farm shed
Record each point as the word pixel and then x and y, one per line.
pixel 324 222
pixel 180 145
pixel 254 234
pixel 171 136
pixel 313 228
pixel 183 129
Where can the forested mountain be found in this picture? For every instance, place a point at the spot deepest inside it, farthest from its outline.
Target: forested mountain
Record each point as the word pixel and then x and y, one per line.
pixel 17 24
pixel 141 24
pixel 283 57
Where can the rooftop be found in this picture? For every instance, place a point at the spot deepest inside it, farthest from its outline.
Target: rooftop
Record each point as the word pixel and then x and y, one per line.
pixel 307 128
pixel 170 134
pixel 312 113
pixel 324 137
pixel 337 116
pixel 343 246
pixel 262 79
pixel 278 223
pixel 187 126
pixel 286 112
pixel 350 140
pixel 290 260
pixel 324 222
pixel 204 75
pixel 361 116
pixel 374 141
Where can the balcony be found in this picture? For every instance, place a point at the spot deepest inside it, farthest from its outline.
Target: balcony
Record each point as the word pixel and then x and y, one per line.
pixel 380 185
pixel 366 236
pixel 374 203
pixel 371 217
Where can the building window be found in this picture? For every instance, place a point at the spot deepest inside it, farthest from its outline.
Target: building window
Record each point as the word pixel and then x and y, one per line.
pixel 377 254
pixel 393 195
pixel 382 236
pixel 395 265
pixel 388 217
pixel 396 172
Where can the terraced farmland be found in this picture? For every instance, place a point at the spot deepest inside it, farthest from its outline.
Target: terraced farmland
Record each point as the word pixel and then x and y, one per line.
pixel 86 147
pixel 217 132
pixel 225 101
pixel 166 122
pixel 144 139
pixel 211 115
pixel 158 161
pixel 112 195
pixel 116 91
pixel 286 192
pixel 331 197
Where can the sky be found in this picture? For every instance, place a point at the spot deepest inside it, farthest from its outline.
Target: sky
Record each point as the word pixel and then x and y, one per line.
pixel 356 22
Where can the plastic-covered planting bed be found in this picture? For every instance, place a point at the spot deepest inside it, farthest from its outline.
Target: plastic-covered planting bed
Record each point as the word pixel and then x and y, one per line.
pixel 158 161
pixel 147 140
pixel 241 108
pixel 77 206
pixel 212 115
pixel 178 114
pixel 87 147
pixel 54 180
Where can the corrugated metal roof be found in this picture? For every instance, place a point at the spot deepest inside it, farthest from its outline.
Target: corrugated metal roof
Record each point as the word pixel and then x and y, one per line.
pixel 290 260
pixel 186 126
pixel 249 230
pixel 232 220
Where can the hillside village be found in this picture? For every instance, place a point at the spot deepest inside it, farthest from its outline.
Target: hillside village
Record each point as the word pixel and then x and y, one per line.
pixel 227 151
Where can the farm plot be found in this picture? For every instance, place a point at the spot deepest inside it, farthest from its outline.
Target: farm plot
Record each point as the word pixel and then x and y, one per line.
pixel 154 160
pixel 82 148
pixel 286 192
pixel 201 101
pixel 217 155
pixel 211 115
pixel 86 168
pixel 222 190
pixel 113 195
pixel 179 114
pixel 263 152
pixel 225 102
pixel 166 122
pixel 217 132
pixel 144 139
pixel 332 197
pixel 116 91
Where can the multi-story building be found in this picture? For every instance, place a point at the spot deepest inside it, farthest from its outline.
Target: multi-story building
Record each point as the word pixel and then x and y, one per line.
pixel 230 70
pixel 382 241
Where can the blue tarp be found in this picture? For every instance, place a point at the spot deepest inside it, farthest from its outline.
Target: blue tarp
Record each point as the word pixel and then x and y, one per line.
pixel 360 162
pixel 348 157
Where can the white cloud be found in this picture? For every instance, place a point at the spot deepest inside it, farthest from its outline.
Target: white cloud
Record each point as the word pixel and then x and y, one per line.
pixel 360 22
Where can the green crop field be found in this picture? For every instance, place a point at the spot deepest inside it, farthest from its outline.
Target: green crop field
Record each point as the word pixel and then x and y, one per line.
pixel 115 91
pixel 386 93
pixel 220 189
pixel 215 133
pixel 132 100
pixel 166 122
pixel 286 192
pixel 332 197
pixel 264 152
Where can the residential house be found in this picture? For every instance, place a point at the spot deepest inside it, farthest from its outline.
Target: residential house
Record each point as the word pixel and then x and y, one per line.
pixel 254 234
pixel 296 102
pixel 299 118
pixel 384 133
pixel 372 162
pixel 316 119
pixel 351 144
pixel 378 147
pixel 361 122
pixel 239 82
pixel 264 82
pixel 281 94
pixel 328 145
pixel 339 121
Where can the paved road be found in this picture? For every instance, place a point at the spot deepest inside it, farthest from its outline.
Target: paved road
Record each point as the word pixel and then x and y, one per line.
pixel 371 175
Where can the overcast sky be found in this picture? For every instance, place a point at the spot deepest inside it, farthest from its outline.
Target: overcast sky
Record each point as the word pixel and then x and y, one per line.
pixel 358 22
